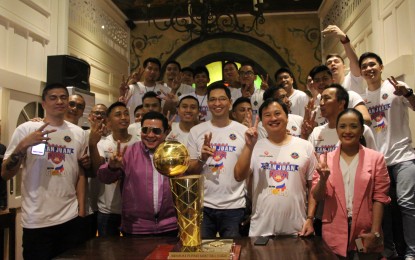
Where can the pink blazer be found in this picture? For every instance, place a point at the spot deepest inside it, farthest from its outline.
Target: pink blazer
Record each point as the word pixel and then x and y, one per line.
pixel 371 184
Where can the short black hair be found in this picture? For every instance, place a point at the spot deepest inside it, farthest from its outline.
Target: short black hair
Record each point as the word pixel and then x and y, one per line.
pixel 150 94
pixel 370 55
pixel 270 92
pixel 137 108
pixel 334 55
pixel 175 63
pixel 318 69
pixel 341 93
pixel 114 105
pixel 268 102
pixel 230 62
pixel 53 86
pixel 285 70
pixel 152 60
pixel 189 69
pixel 200 70
pixel 360 118
pixel 188 97
pixel 248 63
pixel 240 101
pixel 156 115
pixel 218 85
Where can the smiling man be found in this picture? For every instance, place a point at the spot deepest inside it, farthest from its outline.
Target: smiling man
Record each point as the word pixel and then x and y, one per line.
pixel 282 167
pixel 188 111
pixel 214 147
pixel 147 203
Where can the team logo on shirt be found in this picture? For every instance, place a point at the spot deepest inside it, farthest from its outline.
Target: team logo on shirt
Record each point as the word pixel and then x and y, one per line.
pixel 67 139
pixel 380 123
pixel 232 137
pixel 266 154
pixel 385 96
pixel 294 155
pixel 221 151
pixel 279 173
pixel 294 128
pixel 56 154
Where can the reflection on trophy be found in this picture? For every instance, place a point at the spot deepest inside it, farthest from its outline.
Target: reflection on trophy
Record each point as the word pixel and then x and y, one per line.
pixel 172 159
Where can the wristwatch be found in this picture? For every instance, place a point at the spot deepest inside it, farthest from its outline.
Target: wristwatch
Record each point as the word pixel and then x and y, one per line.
pixel 410 93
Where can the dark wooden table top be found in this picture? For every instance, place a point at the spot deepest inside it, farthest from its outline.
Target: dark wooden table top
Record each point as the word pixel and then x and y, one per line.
pixel 283 247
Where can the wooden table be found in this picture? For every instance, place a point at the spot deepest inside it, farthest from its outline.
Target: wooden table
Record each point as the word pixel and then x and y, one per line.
pixel 138 248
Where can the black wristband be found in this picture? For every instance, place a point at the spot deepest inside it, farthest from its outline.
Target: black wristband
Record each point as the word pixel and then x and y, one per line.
pixel 346 40
pixel 410 93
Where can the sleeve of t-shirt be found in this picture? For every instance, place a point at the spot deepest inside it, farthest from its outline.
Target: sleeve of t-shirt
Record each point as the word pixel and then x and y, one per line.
pixel 369 138
pixel 354 99
pixel 192 145
pixel 17 137
pixel 313 163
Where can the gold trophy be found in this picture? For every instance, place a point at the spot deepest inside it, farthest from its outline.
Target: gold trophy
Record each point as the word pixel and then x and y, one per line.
pixel 171 159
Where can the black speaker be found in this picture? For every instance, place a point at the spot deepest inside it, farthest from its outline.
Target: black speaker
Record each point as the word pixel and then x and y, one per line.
pixel 69 71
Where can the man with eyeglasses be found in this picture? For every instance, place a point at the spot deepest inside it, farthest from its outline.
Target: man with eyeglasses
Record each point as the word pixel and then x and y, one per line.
pixel 247 77
pixel 134 93
pixel 214 147
pixel 53 183
pixel 147 203
pixel 151 102
pixel 298 98
pixel 109 196
pixel 76 104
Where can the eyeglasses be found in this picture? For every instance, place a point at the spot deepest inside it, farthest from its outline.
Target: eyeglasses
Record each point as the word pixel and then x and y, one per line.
pixel 146 130
pixel 99 113
pixel 78 106
pixel 246 73
pixel 220 99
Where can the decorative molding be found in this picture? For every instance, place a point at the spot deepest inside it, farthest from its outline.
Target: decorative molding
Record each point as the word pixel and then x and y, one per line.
pixel 342 11
pixel 36 6
pixel 87 15
pixel 138 45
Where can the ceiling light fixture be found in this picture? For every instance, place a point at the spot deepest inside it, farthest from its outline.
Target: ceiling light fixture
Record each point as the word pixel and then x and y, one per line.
pixel 205 17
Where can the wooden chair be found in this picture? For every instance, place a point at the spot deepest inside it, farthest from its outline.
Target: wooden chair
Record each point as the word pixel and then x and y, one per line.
pixel 8 221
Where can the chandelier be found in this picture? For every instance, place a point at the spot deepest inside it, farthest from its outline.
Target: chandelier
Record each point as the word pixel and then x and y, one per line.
pixel 205 17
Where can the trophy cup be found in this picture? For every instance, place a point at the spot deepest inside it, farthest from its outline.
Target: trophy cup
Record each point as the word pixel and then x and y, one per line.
pixel 171 159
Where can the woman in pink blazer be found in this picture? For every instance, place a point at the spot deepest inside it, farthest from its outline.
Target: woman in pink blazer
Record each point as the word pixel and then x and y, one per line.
pixel 353 182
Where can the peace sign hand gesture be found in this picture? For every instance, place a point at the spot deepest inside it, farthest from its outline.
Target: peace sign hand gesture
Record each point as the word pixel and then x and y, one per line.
pixel 207 150
pixel 37 136
pixel 116 159
pixel 322 167
pixel 400 89
pixel 264 82
pixel 251 135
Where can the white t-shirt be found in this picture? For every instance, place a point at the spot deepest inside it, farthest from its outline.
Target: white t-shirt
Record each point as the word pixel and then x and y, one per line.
pixel 325 139
pixel 135 130
pixel 221 190
pixel 294 126
pixel 299 101
pixel 204 113
pixel 280 175
pixel 354 100
pixel 390 123
pixel 177 134
pixel 356 84
pixel 109 196
pixel 137 92
pixel 49 180
pixel 183 90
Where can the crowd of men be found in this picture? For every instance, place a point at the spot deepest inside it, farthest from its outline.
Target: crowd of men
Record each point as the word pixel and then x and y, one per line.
pixel 103 179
